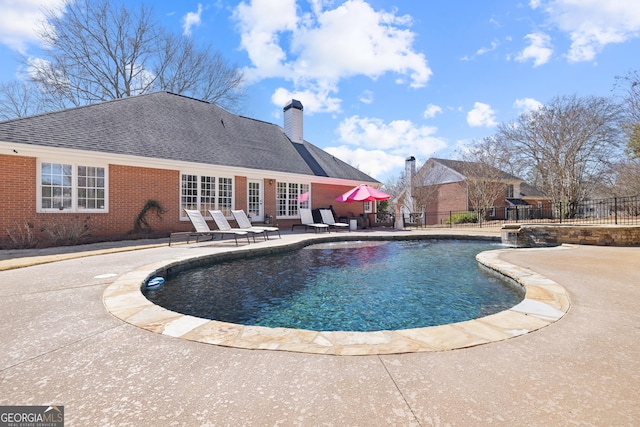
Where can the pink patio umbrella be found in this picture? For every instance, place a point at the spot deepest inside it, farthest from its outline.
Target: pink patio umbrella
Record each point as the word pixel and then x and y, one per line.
pixel 363 193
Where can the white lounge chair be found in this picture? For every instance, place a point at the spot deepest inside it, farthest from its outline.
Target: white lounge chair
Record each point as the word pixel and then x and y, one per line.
pixel 244 224
pixel 223 224
pixel 202 229
pixel 327 218
pixel 306 219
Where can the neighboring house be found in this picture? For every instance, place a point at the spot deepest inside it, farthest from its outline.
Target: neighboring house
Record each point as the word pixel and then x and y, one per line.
pixel 96 169
pixel 442 186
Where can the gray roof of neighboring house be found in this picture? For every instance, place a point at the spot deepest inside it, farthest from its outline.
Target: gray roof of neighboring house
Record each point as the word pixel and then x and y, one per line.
pixel 530 192
pixel 463 168
pixel 174 127
pixel 526 190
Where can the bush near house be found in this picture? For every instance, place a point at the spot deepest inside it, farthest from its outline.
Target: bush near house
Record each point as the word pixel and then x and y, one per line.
pixel 463 218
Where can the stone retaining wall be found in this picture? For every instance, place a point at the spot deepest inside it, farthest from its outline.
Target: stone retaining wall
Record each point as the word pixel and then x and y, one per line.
pixel 534 235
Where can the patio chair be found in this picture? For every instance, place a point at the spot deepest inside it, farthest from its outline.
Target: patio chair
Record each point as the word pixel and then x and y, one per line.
pixel 306 219
pixel 202 229
pixel 223 224
pixel 244 224
pixel 327 218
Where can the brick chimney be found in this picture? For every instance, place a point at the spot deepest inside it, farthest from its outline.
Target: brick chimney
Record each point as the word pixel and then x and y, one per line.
pixel 293 120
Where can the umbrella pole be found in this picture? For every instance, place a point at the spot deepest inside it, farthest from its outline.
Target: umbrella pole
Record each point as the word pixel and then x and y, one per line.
pixel 364 213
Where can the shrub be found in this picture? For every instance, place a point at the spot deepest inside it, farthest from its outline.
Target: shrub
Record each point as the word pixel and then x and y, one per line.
pixel 463 218
pixel 22 236
pixel 67 231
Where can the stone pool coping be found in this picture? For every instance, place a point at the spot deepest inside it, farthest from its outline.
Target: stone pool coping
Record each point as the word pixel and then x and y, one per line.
pixel 545 302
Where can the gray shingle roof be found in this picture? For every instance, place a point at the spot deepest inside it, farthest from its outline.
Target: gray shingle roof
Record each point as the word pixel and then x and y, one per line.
pixel 461 167
pixel 530 191
pixel 464 168
pixel 173 127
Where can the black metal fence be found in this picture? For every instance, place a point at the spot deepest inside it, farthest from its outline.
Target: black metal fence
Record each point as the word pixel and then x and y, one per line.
pixel 616 210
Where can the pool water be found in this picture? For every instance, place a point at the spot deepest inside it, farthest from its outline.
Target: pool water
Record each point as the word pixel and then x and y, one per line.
pixel 345 286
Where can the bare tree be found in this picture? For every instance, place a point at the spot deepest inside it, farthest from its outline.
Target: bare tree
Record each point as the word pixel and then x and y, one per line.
pixel 482 166
pixel 204 72
pixel 19 99
pixel 100 50
pixel 427 183
pixel 395 187
pixel 567 146
pixel 627 181
pixel 630 86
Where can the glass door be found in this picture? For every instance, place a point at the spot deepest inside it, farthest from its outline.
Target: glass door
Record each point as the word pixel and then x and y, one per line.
pixel 255 208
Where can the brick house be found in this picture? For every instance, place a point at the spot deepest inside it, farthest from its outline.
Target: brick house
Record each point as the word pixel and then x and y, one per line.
pixel 130 166
pixel 441 186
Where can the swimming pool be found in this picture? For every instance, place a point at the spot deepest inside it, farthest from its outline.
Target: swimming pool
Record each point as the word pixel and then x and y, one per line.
pixel 345 286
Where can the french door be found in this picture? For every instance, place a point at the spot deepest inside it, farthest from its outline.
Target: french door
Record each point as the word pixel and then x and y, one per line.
pixel 255 205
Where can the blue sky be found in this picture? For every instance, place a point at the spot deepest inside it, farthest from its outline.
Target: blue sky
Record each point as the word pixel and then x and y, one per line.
pixel 384 80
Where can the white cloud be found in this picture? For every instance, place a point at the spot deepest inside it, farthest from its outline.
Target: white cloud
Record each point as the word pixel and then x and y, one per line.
pixel 376 163
pixel 431 111
pixel 19 21
pixel 313 100
pixel 482 115
pixel 324 46
pixel 539 49
pixel 366 97
pixel 527 104
pixel 592 24
pixel 260 24
pixel 483 50
pixel 190 20
pixel 378 147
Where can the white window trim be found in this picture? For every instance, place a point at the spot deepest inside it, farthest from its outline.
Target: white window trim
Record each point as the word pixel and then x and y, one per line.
pixel 300 184
pixel 74 186
pixel 199 174
pixel 510 191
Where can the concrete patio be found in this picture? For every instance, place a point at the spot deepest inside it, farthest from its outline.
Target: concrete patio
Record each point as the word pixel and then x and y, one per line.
pixel 61 346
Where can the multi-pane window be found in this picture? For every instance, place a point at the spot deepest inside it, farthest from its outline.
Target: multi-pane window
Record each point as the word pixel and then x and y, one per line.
pixel 56 186
pixel 290 197
pixel 293 193
pixel 203 193
pixel 66 186
pixel 509 191
pixel 90 187
pixel 207 193
pixel 305 196
pixel 281 199
pixel 225 195
pixel 189 192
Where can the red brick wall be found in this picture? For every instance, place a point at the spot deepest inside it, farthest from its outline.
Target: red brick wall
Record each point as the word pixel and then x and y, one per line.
pixel 450 197
pixel 324 195
pixel 269 193
pixel 240 184
pixel 17 194
pixel 129 190
pixel 270 198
